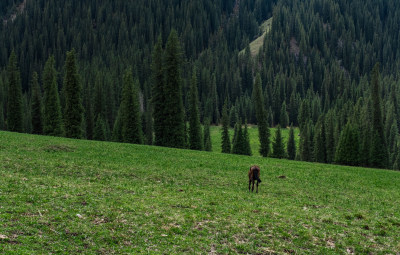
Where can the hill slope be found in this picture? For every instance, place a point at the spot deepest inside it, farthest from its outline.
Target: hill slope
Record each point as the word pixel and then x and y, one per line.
pixel 76 196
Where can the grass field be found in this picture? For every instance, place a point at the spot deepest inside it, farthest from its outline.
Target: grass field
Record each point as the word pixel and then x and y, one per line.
pixel 259 41
pixel 83 197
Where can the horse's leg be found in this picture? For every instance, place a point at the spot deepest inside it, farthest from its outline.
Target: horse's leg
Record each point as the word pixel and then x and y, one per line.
pixel 252 187
pixel 249 184
pixel 257 187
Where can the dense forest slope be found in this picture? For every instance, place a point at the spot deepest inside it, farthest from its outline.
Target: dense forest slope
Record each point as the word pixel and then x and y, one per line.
pixel 315 63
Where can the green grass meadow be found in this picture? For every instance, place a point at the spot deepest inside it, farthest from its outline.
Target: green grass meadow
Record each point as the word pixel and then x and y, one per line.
pixel 68 196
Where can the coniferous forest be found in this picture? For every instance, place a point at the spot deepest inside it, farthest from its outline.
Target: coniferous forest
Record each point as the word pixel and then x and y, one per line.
pixel 156 71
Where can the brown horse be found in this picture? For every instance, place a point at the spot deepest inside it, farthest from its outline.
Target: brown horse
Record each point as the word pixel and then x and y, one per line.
pixel 254 174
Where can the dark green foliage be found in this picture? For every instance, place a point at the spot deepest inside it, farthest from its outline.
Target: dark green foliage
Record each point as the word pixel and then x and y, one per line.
pixel 52 120
pixel 158 96
pixel 149 128
pixel 195 136
pixel 348 150
pixel 27 117
pixel 284 117
pixel 99 132
pixel 14 103
pixel 291 145
pixel 379 157
pixel 320 154
pixel 225 139
pixel 2 122
pixel 278 149
pixel 173 106
pixel 36 106
pixel 238 139
pixel 305 146
pixel 73 113
pixel 263 130
pixel 130 112
pixel 246 138
pixel 207 135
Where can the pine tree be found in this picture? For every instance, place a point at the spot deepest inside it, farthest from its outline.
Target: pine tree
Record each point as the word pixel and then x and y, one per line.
pixel 278 149
pixel 2 122
pixel 305 147
pixel 284 118
pixel 158 95
pixel 130 111
pixel 195 138
pixel 246 138
pixel 149 126
pixel 261 115
pixel 14 104
pixel 348 150
pixel 73 114
pixel 36 109
pixel 291 145
pixel 379 157
pixel 52 119
pixel 320 141
pixel 99 132
pixel 174 128
pixel 207 135
pixel 238 141
pixel 225 140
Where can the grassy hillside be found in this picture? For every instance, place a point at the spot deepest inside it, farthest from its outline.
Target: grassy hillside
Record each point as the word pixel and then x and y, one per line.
pixel 256 45
pixel 73 196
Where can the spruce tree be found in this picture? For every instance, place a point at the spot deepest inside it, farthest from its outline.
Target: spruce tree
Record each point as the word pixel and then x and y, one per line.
pixel 73 114
pixel 130 111
pixel 195 138
pixel 207 135
pixel 2 122
pixel 149 125
pixel 174 125
pixel 291 145
pixel 238 142
pixel 225 140
pixel 158 95
pixel 52 119
pixel 36 106
pixel 278 149
pixel 320 141
pixel 284 117
pixel 99 132
pixel 246 141
pixel 14 103
pixel 379 157
pixel 348 150
pixel 261 115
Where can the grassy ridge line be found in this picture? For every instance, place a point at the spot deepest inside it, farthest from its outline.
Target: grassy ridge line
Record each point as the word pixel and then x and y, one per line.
pixel 143 199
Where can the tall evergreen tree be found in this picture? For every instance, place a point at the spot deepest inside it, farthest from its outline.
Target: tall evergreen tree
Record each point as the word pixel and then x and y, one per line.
pixel 207 135
pixel 284 117
pixel 99 132
pixel 2 122
pixel 52 119
pixel 174 125
pixel 238 141
pixel 73 114
pixel 246 138
pixel 261 115
pixel 195 138
pixel 36 103
pixel 14 103
pixel 130 111
pixel 379 157
pixel 158 94
pixel 225 140
pixel 291 145
pixel 278 149
pixel 149 127
pixel 348 150
pixel 320 141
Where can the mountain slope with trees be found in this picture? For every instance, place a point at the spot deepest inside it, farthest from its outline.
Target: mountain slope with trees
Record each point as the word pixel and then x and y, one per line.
pixel 315 66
